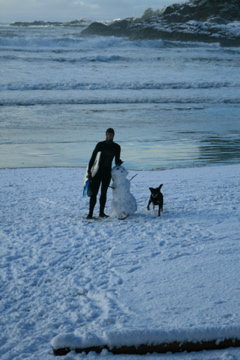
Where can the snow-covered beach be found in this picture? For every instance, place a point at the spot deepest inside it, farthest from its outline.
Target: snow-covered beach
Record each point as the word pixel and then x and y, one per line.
pixel 128 281
pixel 174 103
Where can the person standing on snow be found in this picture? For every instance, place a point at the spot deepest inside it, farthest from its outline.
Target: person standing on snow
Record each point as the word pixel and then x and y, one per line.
pixel 108 151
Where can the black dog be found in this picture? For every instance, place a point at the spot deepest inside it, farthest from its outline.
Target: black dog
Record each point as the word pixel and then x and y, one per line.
pixel 156 198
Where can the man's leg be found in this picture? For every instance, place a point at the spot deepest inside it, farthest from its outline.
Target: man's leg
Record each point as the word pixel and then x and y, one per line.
pixel 106 178
pixel 95 184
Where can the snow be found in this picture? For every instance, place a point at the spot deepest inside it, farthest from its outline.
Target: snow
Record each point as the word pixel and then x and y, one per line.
pixel 69 282
pixel 230 30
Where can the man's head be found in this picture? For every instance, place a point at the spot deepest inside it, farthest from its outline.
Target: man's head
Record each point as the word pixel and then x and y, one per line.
pixel 110 134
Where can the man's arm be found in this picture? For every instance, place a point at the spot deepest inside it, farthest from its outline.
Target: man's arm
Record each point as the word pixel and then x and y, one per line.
pixel 118 161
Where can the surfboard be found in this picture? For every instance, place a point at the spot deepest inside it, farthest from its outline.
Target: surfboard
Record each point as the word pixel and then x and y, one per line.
pixel 94 170
pixel 95 167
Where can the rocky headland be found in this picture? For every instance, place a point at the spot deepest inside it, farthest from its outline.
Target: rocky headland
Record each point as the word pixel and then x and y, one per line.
pixel 195 20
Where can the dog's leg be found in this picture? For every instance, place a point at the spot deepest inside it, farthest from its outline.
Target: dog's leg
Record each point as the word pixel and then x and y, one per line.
pixel 148 207
pixel 159 211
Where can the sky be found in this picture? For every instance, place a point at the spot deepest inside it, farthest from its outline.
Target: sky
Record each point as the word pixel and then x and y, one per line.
pixel 65 10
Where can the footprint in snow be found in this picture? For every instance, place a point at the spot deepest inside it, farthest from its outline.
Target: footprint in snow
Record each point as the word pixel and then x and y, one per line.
pixel 134 269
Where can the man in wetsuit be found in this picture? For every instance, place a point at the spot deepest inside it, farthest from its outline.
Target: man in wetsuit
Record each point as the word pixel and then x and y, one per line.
pixel 109 150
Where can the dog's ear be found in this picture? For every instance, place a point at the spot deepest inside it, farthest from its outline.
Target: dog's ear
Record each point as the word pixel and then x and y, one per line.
pixel 151 189
pixel 160 186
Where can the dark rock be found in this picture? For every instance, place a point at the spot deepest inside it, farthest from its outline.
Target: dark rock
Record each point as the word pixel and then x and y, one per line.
pixel 122 27
pixel 161 348
pixel 81 22
pixel 195 20
pixel 97 28
pixel 116 28
pixel 202 10
pixel 154 34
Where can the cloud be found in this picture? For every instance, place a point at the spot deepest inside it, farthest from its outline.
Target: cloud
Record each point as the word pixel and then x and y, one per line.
pixel 84 4
pixel 94 6
pixel 79 3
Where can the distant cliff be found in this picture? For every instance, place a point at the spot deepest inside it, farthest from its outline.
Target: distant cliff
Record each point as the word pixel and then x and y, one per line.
pixel 195 20
pixel 80 23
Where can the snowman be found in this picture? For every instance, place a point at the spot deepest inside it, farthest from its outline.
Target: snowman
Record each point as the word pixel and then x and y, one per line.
pixel 123 202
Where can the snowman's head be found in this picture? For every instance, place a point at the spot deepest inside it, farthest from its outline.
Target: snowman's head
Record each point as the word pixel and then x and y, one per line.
pixel 119 173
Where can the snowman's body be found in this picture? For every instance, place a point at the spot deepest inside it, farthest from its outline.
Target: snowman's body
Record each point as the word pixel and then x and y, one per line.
pixel 123 202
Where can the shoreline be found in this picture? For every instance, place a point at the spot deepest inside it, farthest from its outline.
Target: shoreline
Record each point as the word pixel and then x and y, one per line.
pixel 129 169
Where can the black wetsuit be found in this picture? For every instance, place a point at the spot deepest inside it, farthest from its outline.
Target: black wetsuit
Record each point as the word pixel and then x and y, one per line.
pixel 109 150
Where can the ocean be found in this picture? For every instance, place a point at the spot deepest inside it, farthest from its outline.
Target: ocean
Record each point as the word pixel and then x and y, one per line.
pixel 172 104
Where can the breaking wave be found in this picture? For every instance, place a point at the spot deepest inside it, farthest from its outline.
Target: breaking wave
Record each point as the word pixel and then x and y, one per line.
pixel 103 101
pixel 31 42
pixel 84 59
pixel 78 43
pixel 117 86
